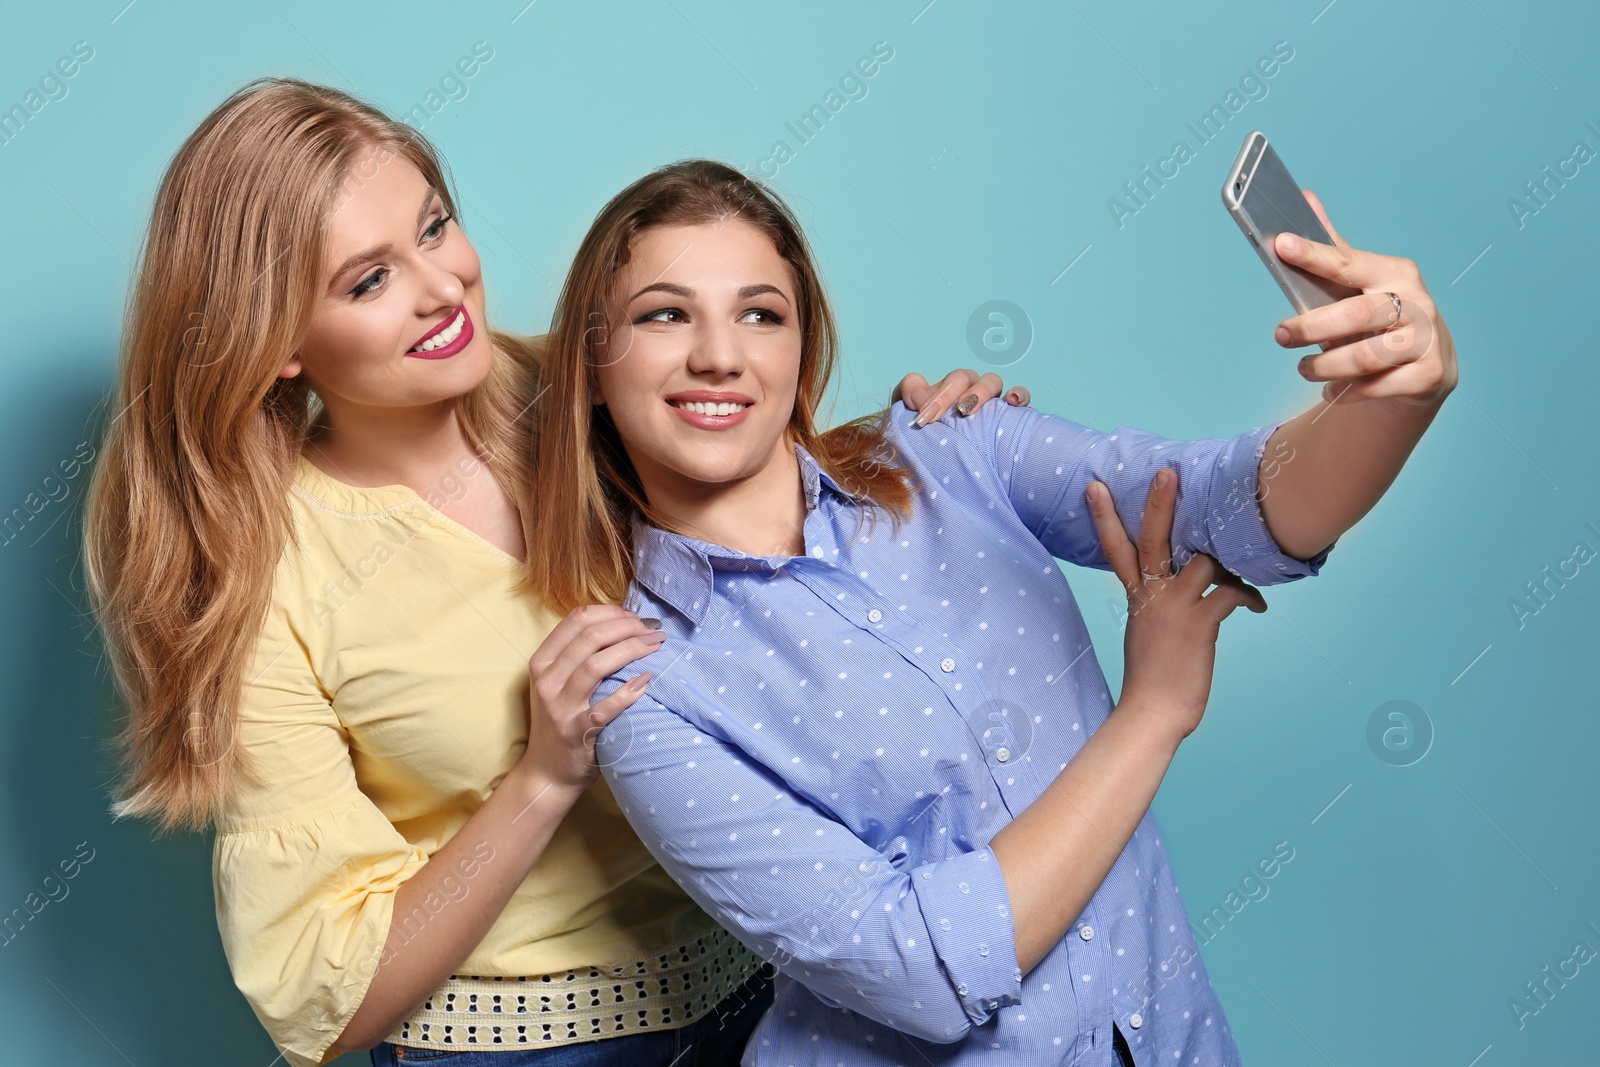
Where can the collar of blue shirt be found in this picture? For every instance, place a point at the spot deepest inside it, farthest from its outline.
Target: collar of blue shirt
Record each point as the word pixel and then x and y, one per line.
pixel 679 569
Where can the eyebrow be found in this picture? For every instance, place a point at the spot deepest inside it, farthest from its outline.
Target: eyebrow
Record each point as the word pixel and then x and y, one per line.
pixel 684 291
pixel 383 249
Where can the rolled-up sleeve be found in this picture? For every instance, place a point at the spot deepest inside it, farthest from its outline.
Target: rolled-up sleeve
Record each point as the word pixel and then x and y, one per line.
pixel 1043 465
pixel 928 949
pixel 304 866
pixel 965 903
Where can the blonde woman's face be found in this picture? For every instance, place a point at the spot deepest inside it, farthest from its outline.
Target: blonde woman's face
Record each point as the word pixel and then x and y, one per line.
pixel 398 323
pixel 703 364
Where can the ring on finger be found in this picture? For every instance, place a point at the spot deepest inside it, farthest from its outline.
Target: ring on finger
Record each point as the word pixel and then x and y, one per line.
pixel 1395 300
pixel 1153 577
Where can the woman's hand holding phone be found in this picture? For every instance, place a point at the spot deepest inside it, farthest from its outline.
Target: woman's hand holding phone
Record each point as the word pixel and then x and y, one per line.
pixel 1169 649
pixel 1368 351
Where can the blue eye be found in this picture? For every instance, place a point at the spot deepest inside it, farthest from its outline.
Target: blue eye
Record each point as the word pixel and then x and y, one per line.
pixel 370 282
pixel 437 228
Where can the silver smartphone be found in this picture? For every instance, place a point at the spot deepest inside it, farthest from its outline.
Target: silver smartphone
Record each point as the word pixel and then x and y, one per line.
pixel 1265 201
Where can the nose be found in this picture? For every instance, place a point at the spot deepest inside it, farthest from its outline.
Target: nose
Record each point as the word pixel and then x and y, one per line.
pixel 717 351
pixel 441 289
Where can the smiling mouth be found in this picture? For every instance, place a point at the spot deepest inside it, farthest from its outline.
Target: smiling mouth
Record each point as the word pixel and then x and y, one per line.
pixel 702 407
pixel 442 337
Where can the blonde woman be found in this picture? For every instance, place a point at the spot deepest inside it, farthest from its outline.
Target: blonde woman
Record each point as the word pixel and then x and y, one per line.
pixel 304 544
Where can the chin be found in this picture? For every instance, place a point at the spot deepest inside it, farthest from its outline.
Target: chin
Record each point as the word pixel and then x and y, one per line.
pixel 476 360
pixel 722 472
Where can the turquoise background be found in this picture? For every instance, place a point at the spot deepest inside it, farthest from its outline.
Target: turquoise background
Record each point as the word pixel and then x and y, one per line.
pixel 1420 898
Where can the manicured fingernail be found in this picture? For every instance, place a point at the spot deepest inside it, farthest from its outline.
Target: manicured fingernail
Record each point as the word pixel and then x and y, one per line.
pixel 919 396
pixel 1282 335
pixel 653 623
pixel 1163 477
pixel 968 402
pixel 1014 397
pixel 639 682
pixel 1094 492
pixel 926 415
pixel 1304 367
pixel 1288 242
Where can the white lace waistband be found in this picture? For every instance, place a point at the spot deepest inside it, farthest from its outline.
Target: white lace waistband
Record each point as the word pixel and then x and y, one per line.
pixel 661 993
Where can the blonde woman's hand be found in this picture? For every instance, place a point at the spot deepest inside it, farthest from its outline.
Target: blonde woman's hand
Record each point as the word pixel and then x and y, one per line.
pixel 1169 648
pixel 583 649
pixel 963 389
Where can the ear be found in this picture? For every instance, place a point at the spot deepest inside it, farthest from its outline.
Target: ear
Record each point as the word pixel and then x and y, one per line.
pixel 596 397
pixel 292 368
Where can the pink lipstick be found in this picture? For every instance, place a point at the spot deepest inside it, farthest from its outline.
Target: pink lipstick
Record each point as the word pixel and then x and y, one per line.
pixel 445 339
pixel 710 410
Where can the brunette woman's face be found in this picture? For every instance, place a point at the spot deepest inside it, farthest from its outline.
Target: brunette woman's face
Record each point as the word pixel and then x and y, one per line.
pixel 398 321
pixel 701 369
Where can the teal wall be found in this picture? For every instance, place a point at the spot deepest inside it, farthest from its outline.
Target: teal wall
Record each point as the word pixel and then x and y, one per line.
pixel 977 167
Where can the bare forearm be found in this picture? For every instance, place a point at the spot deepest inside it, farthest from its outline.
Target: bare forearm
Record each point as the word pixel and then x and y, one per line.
pixel 1056 853
pixel 500 843
pixel 1325 468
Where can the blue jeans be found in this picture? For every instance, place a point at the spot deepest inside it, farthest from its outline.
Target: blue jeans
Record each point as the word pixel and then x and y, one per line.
pixel 1119 1048
pixel 717 1040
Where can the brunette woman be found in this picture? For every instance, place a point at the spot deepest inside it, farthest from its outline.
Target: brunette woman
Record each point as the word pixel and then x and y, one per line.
pixel 877 744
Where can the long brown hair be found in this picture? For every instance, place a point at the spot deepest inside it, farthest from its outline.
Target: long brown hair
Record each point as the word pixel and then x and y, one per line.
pixel 188 513
pixel 579 527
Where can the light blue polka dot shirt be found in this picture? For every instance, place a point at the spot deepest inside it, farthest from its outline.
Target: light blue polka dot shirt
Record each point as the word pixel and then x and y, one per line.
pixel 830 741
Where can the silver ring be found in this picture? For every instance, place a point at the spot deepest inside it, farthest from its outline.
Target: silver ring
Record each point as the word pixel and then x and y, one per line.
pixel 1153 577
pixel 1395 300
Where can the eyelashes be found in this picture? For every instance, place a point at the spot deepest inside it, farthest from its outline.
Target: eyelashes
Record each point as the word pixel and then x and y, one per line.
pixel 374 280
pixel 436 230
pixel 772 318
pixel 370 282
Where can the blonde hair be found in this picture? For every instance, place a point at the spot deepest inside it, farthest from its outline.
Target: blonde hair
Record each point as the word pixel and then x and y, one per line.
pixel 188 512
pixel 579 526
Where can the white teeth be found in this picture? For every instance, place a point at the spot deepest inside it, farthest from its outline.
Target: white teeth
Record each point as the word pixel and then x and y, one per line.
pixel 445 336
pixel 701 408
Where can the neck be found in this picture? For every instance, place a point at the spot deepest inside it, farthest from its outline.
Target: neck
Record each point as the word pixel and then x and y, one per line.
pixel 389 446
pixel 762 513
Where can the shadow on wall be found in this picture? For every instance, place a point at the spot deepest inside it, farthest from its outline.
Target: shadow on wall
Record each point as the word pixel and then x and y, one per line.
pixel 121 925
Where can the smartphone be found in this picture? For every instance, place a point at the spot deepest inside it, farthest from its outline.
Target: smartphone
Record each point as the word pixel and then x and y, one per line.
pixel 1265 201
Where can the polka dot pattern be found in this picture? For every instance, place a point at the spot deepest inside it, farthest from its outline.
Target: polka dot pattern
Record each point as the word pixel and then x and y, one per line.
pixel 825 749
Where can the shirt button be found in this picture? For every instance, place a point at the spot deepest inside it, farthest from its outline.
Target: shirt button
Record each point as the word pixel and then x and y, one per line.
pixel 1087 933
pixel 874 615
pixel 947 665
pixel 1002 754
pixel 1136 1020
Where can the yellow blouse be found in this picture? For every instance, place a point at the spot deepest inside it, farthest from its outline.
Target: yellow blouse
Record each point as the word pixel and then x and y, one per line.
pixel 387 699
